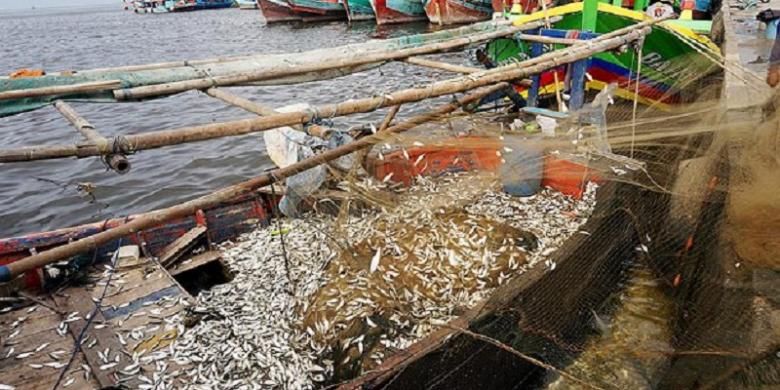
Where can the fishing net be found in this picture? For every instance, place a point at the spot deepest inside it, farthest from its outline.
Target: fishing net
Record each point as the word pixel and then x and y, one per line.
pixel 656 269
pixel 625 244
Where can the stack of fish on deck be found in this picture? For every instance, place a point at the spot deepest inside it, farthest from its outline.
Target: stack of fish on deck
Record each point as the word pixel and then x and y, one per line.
pixel 342 293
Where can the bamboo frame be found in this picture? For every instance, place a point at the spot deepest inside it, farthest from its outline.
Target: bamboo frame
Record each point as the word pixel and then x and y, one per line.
pixel 61 90
pixel 495 78
pixel 286 71
pixel 148 220
pixel 117 161
pixel 156 139
pixel 548 40
pixel 440 65
pixel 259 109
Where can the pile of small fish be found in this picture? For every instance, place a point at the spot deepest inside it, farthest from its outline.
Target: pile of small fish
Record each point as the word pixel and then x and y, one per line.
pixel 321 299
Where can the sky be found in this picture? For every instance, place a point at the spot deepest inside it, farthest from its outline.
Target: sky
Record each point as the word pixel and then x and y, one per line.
pixel 27 4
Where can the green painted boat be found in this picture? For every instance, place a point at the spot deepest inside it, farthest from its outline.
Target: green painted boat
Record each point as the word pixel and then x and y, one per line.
pixel 673 57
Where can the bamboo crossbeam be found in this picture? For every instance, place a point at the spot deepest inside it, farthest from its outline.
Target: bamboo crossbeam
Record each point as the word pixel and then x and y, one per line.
pixel 117 161
pixel 286 70
pixel 61 90
pixel 145 221
pixel 441 65
pixel 259 109
pixel 548 40
pixel 82 125
pixel 510 72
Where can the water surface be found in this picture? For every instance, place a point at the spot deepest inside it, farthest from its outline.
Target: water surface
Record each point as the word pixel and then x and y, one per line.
pixel 42 195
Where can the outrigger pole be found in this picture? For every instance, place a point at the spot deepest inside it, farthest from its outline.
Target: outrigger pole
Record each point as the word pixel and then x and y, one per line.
pixel 491 80
pixel 161 138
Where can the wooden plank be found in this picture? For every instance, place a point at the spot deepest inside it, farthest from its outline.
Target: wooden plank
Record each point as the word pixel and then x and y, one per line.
pixel 46 377
pixel 177 248
pixel 29 345
pixel 81 301
pixel 137 288
pixel 147 318
pixel 32 328
pixel 195 262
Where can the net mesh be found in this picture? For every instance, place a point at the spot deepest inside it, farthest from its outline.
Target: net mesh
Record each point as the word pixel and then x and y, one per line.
pixel 668 281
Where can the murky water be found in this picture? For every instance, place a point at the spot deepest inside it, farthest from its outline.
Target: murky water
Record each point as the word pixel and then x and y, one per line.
pixel 42 195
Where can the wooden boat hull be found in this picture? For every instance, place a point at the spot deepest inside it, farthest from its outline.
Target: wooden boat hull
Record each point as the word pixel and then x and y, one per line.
pixel 275 11
pixel 224 222
pixel 328 8
pixel 670 66
pixel 359 10
pixel 458 11
pixel 398 11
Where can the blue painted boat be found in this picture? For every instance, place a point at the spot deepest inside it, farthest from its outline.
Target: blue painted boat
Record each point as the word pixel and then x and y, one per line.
pixel 213 4
pixel 359 10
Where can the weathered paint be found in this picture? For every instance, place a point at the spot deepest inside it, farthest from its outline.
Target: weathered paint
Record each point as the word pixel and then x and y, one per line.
pixel 224 222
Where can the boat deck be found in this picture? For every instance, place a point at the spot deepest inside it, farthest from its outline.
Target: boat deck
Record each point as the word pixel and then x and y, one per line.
pixel 137 320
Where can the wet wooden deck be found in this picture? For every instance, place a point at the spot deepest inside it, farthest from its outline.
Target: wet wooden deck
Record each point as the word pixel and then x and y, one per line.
pixel 127 336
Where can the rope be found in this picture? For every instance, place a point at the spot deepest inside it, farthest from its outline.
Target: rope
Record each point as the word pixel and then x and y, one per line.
pixel 291 291
pixel 636 95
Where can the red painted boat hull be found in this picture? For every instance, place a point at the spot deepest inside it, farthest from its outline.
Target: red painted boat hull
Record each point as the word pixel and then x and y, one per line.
pixel 274 12
pixel 453 12
pixel 386 15
pixel 225 221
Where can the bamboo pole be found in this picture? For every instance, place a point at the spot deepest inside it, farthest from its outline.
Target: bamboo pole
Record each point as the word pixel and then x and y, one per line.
pixel 61 90
pixel 454 68
pixel 441 65
pixel 82 125
pixel 117 161
pixel 510 72
pixel 262 110
pixel 548 40
pixel 388 119
pixel 287 70
pixel 10 271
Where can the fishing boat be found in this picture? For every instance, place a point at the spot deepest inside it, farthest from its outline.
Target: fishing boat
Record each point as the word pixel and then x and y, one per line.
pixel 398 11
pixel 183 6
pixel 359 10
pixel 319 9
pixel 276 11
pixel 458 11
pixel 532 313
pixel 674 57
pixel 247 4
pixel 152 6
pixel 213 4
